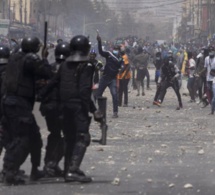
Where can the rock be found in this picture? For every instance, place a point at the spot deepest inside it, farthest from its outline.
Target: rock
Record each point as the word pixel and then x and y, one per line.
pixel 188 186
pixel 92 168
pixel 124 169
pixel 163 145
pixel 171 185
pixel 157 151
pixel 100 149
pixel 149 180
pixel 201 152
pixel 82 187
pixel 116 181
pixel 149 160
pixel 128 176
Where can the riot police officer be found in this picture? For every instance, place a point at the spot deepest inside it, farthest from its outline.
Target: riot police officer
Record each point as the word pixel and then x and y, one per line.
pixel 4 56
pixel 22 69
pixel 74 79
pixel 50 109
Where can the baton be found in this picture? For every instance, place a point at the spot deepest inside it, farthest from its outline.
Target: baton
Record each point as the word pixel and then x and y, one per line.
pixel 45 34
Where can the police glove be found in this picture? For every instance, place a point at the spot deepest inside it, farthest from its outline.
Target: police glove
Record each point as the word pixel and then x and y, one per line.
pixel 98 115
pixel 45 53
pixel 173 78
pixel 98 38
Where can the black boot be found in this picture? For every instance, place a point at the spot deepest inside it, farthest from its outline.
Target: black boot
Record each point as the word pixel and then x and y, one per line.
pixel 51 169
pixel 11 178
pixel 73 172
pixel 36 174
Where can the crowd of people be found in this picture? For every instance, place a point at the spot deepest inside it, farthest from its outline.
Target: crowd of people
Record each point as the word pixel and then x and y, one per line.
pixel 69 88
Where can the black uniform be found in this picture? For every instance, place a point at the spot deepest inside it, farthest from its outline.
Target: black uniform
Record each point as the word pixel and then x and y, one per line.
pixel 22 69
pixel 4 55
pixel 74 80
pixel 169 75
pixel 51 110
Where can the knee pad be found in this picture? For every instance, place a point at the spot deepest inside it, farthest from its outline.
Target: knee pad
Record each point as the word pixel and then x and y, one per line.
pixel 84 138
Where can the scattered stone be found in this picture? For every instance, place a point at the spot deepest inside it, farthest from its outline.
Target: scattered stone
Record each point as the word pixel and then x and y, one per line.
pixel 201 152
pixel 100 149
pixel 157 151
pixel 188 186
pixel 92 168
pixel 163 145
pixel 149 180
pixel 124 169
pixel 158 111
pixel 110 157
pixel 128 176
pixel 149 160
pixel 116 181
pixel 172 185
pixel 82 187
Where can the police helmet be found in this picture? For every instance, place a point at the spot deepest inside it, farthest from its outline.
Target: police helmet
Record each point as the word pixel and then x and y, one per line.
pixel 80 48
pixel 30 44
pixel 4 54
pixel 62 51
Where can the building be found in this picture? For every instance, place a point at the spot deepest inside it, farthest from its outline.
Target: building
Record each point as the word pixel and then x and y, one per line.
pixel 20 11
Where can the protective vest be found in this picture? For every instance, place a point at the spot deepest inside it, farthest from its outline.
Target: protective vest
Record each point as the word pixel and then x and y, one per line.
pixel 69 85
pixel 18 81
pixel 2 78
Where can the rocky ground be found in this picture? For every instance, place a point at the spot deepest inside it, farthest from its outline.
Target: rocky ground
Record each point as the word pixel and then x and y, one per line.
pixel 149 151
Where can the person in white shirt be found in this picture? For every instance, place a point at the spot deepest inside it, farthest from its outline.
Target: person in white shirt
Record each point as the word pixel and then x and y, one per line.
pixel 191 78
pixel 210 64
